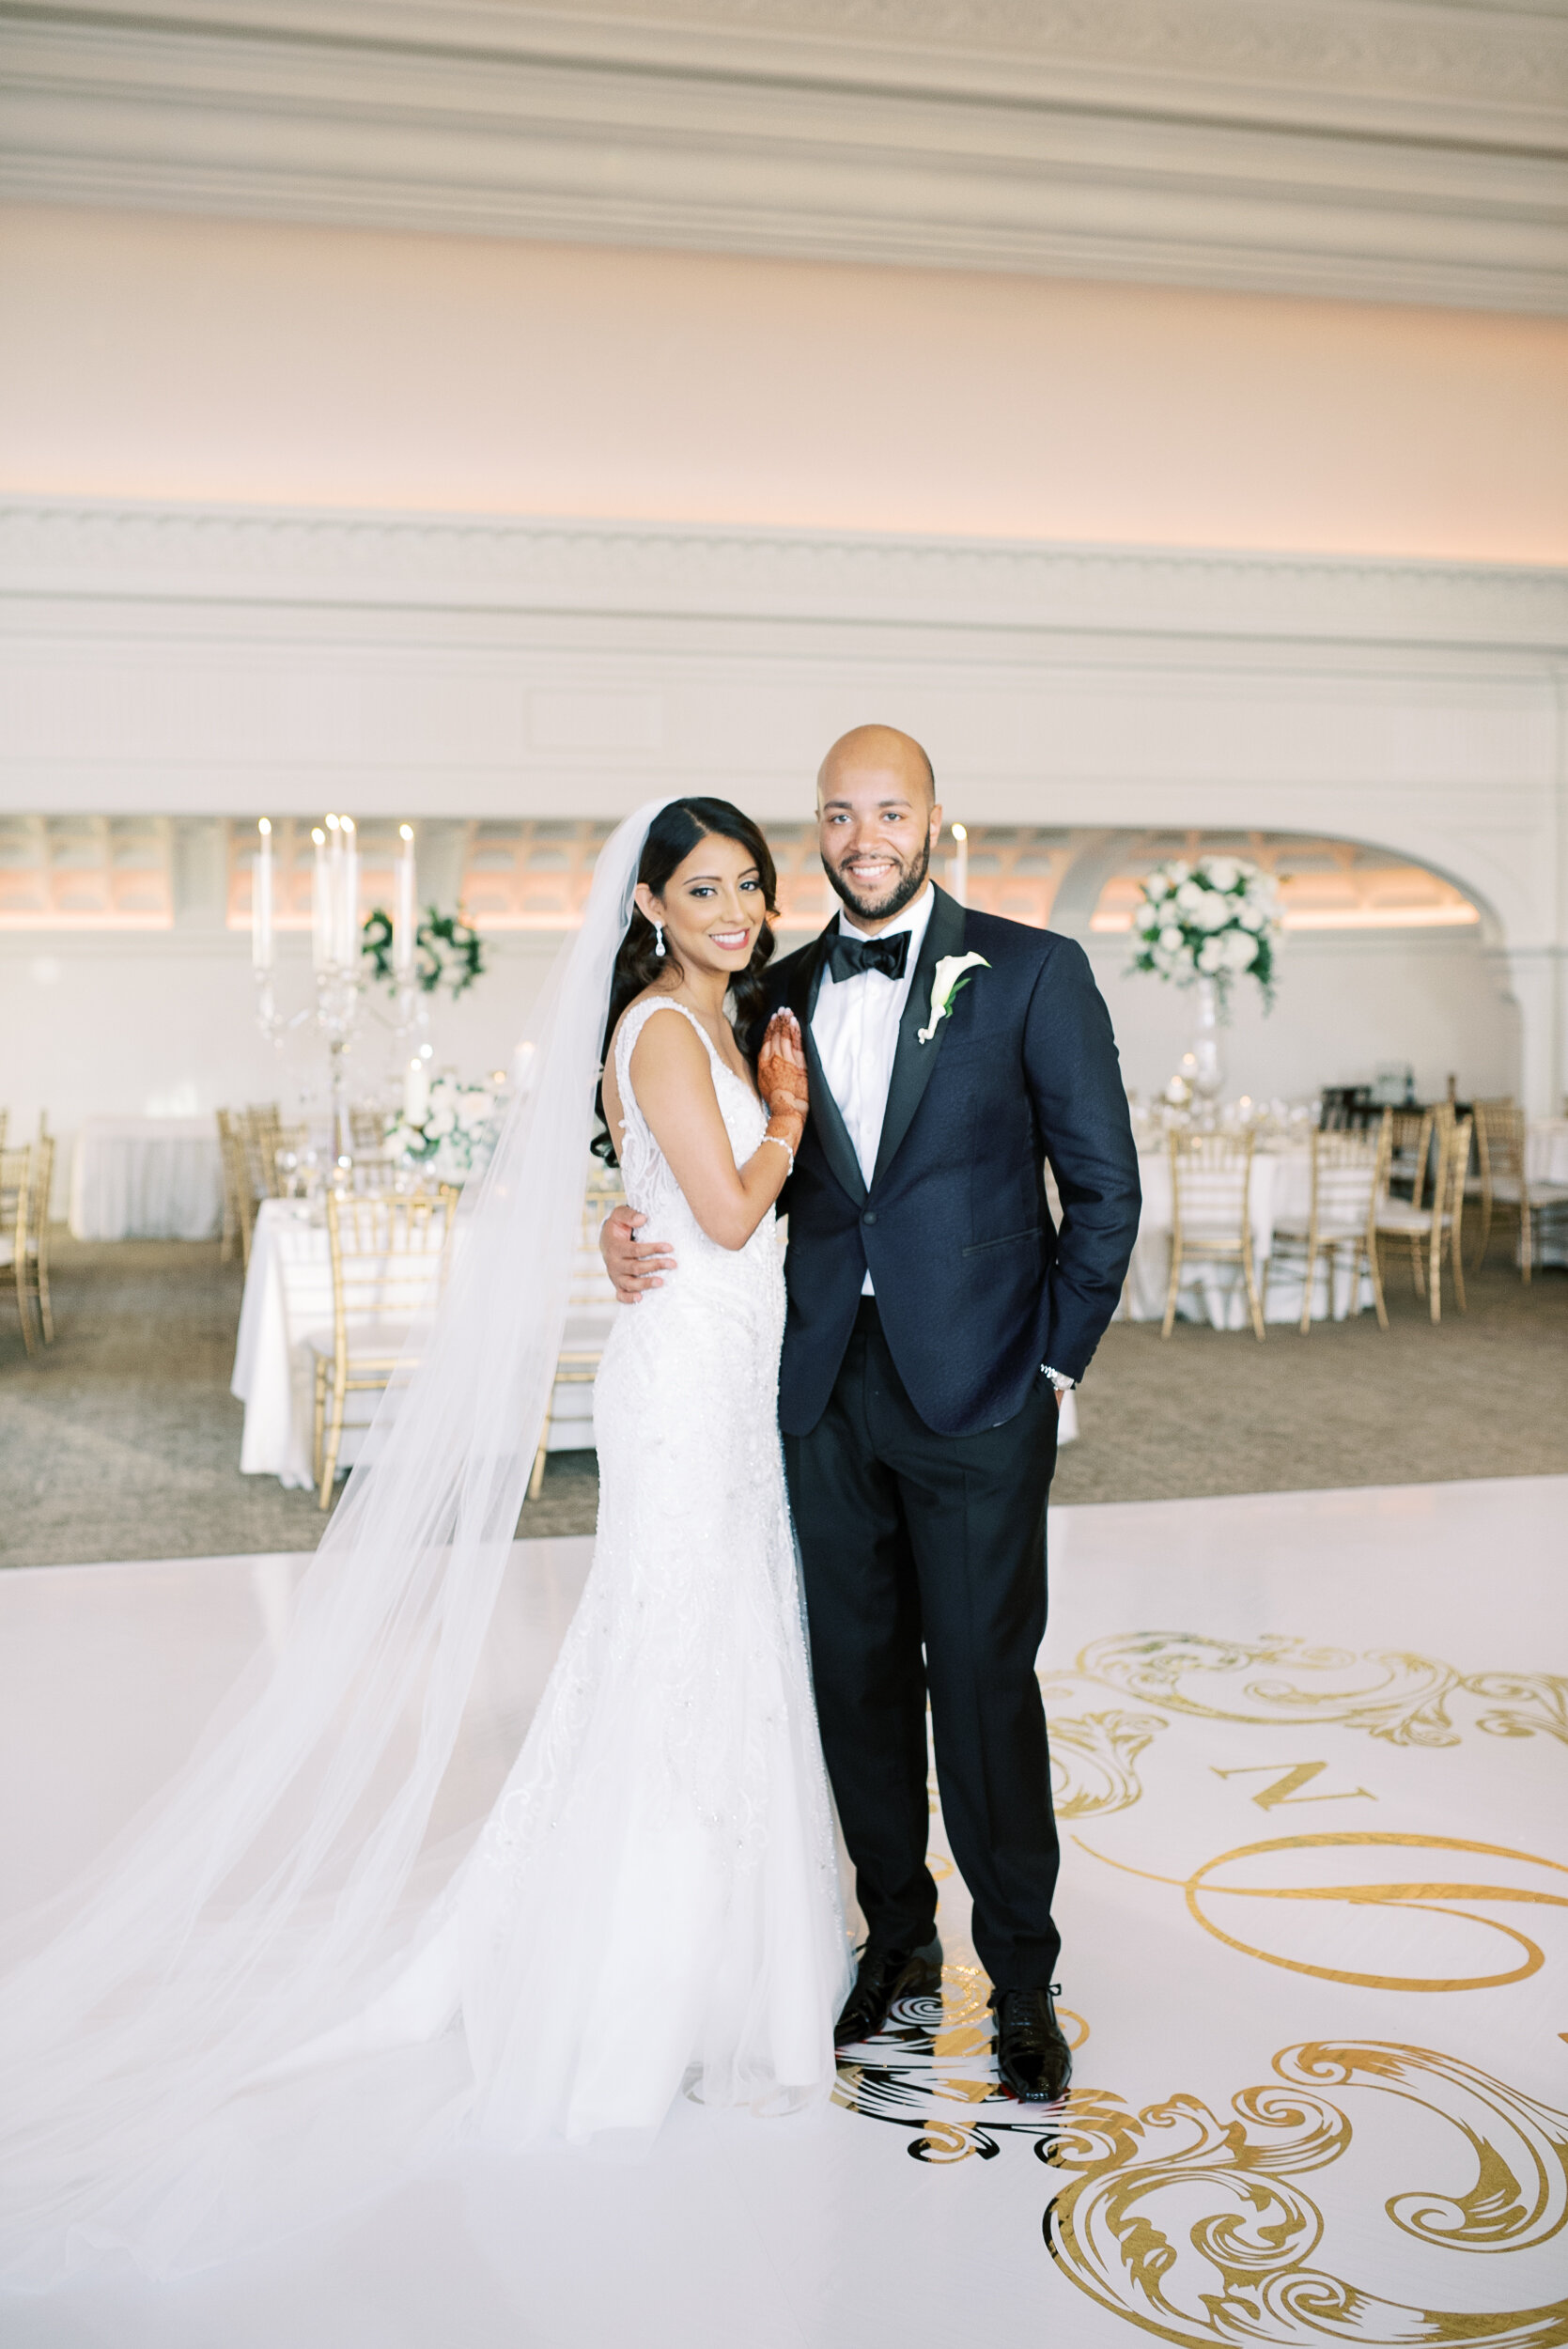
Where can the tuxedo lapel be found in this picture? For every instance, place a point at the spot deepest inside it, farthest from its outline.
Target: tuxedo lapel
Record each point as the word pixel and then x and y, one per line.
pixel 804 984
pixel 912 1062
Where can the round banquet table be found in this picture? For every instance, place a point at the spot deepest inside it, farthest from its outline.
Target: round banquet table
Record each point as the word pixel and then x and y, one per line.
pixel 147 1179
pixel 1216 1292
pixel 287 1299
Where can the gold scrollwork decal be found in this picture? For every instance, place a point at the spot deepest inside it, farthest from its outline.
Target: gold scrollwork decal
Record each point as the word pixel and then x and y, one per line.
pixel 1387 1692
pixel 1242 2255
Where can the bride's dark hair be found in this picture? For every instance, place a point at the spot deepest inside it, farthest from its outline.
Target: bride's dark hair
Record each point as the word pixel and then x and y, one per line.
pixel 673 834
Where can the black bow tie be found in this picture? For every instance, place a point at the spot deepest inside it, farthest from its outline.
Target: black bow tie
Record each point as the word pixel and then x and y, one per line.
pixel 848 956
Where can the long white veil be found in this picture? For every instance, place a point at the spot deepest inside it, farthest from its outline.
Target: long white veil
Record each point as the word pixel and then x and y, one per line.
pixel 294 1862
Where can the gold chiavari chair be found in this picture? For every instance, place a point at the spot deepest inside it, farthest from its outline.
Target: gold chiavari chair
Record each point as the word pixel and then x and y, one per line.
pixel 1211 1213
pixel 1349 1170
pixel 1502 1147
pixel 16 1205
pixel 263 1131
pixel 590 1307
pixel 366 1129
pixel 35 1252
pixel 238 1195
pixel 1432 1233
pixel 1492 1113
pixel 1410 1152
pixel 388 1257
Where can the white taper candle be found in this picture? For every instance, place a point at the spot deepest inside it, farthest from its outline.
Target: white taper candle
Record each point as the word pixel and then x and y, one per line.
pixel 349 952
pixel 261 900
pixel 404 919
pixel 321 904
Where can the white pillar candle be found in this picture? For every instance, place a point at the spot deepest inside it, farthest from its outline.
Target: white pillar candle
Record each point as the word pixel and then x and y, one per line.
pixel 405 923
pixel 320 904
pixel 416 1092
pixel 350 946
pixel 961 865
pixel 261 900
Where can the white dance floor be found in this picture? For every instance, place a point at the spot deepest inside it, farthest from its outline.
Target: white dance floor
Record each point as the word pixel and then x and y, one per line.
pixel 1313 1783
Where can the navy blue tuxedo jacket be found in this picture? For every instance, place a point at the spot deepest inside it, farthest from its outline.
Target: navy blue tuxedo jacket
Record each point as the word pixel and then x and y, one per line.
pixel 975 1286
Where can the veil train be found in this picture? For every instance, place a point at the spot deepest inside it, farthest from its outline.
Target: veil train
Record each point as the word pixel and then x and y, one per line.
pixel 284 1878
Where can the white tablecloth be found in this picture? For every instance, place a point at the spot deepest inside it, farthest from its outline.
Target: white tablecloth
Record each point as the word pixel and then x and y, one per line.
pixel 287 1296
pixel 147 1179
pixel 1547 1161
pixel 1216 1292
pixel 1548 1151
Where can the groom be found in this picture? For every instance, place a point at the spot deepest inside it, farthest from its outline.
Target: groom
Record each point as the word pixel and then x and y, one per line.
pixel 936 1319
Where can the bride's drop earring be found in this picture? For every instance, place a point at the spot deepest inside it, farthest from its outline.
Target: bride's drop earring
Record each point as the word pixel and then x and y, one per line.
pixel 659 939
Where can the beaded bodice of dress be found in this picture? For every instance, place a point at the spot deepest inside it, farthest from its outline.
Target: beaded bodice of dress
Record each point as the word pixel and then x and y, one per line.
pixel 651 1187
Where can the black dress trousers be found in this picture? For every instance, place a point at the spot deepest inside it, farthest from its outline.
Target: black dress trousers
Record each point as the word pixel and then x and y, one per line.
pixel 924 1560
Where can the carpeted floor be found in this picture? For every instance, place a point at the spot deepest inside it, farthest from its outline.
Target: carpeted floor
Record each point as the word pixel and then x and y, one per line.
pixel 122 1440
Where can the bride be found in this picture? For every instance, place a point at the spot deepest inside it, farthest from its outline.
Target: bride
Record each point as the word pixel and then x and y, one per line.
pixel 333 1948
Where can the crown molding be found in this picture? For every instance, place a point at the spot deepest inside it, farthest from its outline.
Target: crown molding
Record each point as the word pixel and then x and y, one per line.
pixel 110 549
pixel 1385 149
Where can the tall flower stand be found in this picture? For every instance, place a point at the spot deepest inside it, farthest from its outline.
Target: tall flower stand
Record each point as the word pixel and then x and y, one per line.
pixel 1208 1081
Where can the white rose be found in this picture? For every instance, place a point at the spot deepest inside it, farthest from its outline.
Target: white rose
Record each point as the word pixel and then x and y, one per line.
pixel 1223 871
pixel 438 1125
pixel 1158 886
pixel 1215 912
pixel 1211 956
pixel 1250 918
pixel 1147 917
pixel 1170 939
pixel 1190 896
pixel 1176 872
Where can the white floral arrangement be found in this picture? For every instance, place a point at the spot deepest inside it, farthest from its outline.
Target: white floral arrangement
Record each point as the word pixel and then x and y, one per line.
pixel 455 1135
pixel 1218 919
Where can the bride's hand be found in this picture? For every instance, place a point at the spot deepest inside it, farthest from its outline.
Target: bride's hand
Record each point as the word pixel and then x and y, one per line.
pixel 782 1070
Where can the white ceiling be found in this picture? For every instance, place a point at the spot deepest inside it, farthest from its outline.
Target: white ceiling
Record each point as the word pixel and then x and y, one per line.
pixel 1412 150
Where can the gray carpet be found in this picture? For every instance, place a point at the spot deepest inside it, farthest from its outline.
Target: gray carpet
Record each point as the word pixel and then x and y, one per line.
pixel 122 1440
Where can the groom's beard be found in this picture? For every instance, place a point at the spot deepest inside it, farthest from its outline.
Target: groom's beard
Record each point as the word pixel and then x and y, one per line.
pixel 907 888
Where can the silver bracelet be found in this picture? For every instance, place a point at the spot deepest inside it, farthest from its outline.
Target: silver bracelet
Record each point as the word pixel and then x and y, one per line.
pixel 784 1146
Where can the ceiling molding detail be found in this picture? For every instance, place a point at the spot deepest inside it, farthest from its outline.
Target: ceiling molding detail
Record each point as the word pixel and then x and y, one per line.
pixel 1408 150
pixel 223 554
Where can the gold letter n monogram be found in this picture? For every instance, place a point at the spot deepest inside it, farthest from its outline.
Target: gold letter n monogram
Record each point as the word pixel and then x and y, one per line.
pixel 1286 1789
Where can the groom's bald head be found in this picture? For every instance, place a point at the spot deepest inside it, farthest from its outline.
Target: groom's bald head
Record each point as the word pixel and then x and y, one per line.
pixel 877 821
pixel 869 749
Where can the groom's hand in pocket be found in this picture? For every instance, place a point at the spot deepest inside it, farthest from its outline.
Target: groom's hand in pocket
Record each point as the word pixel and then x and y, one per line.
pixel 632 1265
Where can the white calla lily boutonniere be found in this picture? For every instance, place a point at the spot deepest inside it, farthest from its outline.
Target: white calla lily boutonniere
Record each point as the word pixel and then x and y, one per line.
pixel 951 973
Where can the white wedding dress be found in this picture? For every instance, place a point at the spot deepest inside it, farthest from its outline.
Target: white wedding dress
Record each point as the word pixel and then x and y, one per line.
pixel 655 1900
pixel 307 1970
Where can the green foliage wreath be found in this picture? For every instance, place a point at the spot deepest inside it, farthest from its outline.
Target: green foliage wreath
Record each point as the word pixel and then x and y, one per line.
pixel 448 953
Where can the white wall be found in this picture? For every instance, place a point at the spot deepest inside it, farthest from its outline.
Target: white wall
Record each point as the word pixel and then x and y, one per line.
pixel 165 357
pixel 100 1024
pixel 1346 1003
pixel 216 660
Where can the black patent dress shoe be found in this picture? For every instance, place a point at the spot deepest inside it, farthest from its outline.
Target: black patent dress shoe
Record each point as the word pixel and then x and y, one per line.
pixel 1032 2057
pixel 885 1976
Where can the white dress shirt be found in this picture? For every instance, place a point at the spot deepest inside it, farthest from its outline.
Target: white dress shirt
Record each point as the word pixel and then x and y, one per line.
pixel 855 1029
